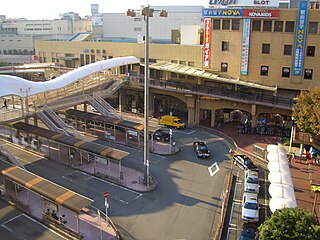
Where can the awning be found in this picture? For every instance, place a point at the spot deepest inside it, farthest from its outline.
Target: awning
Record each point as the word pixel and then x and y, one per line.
pixel 50 190
pixel 196 72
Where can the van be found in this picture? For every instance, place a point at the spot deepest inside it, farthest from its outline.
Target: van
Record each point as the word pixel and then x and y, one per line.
pixel 171 121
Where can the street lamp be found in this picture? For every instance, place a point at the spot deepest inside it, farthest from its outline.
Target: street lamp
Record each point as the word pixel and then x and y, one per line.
pixel 146 12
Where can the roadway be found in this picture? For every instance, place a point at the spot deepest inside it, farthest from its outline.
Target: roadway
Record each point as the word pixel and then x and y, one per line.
pixel 186 204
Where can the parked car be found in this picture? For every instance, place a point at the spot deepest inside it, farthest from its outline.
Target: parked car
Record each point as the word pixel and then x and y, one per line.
pixel 251 181
pixel 244 162
pixel 172 121
pixel 247 233
pixel 201 149
pixel 161 135
pixel 250 207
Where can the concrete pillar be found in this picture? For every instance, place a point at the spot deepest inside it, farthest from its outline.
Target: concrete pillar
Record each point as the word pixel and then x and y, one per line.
pixel 35 121
pixel 190 117
pixel 213 117
pixel 197 113
pixel 254 115
pixel 85 107
pixel 254 120
pixel 120 99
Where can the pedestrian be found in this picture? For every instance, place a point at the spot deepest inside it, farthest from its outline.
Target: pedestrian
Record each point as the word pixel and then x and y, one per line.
pixel 62 219
pixel 5 103
pixel 290 160
pixel 54 215
pixel 48 213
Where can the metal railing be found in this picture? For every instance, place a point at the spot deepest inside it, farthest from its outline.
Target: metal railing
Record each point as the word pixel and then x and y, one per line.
pixel 108 107
pixel 12 158
pixel 46 120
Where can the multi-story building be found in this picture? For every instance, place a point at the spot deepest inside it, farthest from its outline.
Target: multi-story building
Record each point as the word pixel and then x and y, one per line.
pixel 249 61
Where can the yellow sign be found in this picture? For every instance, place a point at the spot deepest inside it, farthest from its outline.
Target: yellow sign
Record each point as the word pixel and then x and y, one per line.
pixel 315 188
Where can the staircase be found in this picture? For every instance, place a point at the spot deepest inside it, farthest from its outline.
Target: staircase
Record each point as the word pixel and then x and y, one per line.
pixel 10 156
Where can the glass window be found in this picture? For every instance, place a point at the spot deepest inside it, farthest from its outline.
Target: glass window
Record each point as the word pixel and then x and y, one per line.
pixel 285 72
pixel 313 27
pixel 183 62
pixel 289 26
pixel 266 48
pixel 92 50
pixel 216 24
pixel 224 67
pixel 267 26
pixel 225 24
pixel 287 50
pixel 225 46
pixel 191 64
pixel 311 51
pixel 278 26
pixel 235 24
pixel 98 51
pixel 174 61
pixel 256 25
pixel 104 51
pixel 264 70
pixel 308 73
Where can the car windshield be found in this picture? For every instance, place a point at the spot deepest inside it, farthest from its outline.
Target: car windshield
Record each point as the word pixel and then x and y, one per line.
pixel 202 147
pixel 250 205
pixel 248 162
pixel 252 180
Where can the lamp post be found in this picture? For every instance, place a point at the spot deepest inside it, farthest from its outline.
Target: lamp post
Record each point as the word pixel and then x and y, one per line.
pixel 147 12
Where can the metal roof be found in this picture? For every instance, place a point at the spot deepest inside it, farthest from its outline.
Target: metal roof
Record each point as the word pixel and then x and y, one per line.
pixel 43 187
pixel 196 72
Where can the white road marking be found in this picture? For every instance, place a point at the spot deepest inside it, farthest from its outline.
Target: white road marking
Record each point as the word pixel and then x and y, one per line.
pixel 215 171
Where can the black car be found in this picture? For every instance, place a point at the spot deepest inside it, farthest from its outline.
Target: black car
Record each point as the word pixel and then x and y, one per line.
pixel 201 149
pixel 247 233
pixel 161 135
pixel 244 162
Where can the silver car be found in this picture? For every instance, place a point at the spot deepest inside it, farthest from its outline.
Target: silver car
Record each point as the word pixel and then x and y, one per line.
pixel 251 182
pixel 250 207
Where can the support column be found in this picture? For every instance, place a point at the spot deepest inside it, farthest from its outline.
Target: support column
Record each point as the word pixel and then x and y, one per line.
pixel 190 117
pixel 85 107
pixel 254 115
pixel 254 120
pixel 191 110
pixel 213 117
pixel 120 99
pixel 197 113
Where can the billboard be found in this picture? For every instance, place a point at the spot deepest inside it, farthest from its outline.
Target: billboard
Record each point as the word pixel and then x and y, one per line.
pixel 245 47
pixel 245 3
pixel 300 37
pixel 206 43
pixel 241 13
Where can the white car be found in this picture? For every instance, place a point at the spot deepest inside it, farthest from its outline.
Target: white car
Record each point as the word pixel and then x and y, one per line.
pixel 251 182
pixel 250 207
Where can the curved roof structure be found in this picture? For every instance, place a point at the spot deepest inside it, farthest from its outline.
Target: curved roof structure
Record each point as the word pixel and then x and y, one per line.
pixel 12 85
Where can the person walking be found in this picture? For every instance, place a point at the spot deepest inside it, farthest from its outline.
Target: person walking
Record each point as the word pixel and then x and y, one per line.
pixel 54 215
pixel 5 103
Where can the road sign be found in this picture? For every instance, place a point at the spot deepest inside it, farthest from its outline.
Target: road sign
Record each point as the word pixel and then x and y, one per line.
pixel 106 194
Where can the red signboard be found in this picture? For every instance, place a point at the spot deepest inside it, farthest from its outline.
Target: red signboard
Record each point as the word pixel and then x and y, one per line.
pixel 206 43
pixel 260 13
pixel 106 194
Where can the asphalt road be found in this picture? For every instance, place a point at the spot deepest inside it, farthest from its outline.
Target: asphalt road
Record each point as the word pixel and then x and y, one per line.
pixel 185 205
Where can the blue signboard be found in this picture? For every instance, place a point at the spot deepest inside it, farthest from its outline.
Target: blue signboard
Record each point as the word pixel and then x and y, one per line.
pixel 221 12
pixel 300 37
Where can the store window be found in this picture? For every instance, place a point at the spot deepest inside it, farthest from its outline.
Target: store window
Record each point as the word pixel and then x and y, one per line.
pixel 256 25
pixel 267 26
pixel 264 70
pixel 225 46
pixel 289 26
pixel 216 24
pixel 265 48
pixel 191 64
pixel 287 50
pixel 311 51
pixel 92 50
pixel 308 73
pixel 313 27
pixel 278 26
pixel 225 24
pixel 183 62
pixel 224 67
pixel 285 72
pixel 235 25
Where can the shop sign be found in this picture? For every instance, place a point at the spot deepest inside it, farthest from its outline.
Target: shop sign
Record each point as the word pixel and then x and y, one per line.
pixel 241 13
pixel 260 13
pixel 221 12
pixel 206 43
pixel 245 3
pixel 245 47
pixel 300 37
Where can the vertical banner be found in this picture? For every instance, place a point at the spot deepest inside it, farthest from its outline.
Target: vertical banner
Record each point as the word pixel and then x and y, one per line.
pixel 206 43
pixel 300 37
pixel 245 46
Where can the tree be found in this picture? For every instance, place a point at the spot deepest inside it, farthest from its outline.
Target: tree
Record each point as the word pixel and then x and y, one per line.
pixel 306 111
pixel 290 223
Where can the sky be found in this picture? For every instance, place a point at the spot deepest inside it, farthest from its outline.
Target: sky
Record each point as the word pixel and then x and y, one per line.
pixel 50 9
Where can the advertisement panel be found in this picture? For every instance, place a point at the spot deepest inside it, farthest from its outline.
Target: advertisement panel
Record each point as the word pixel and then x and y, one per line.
pixel 300 38
pixel 245 3
pixel 260 13
pixel 241 13
pixel 221 12
pixel 206 43
pixel 245 47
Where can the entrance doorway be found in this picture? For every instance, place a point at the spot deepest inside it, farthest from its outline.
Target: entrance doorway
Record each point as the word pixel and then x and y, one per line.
pixel 205 117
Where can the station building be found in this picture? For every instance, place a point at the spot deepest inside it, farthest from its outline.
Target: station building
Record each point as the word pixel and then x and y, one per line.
pixel 253 60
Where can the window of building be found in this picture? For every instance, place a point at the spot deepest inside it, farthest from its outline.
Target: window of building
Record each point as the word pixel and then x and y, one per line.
pixel 183 62
pixel 235 24
pixel 136 19
pixel 216 24
pixel 174 75
pixel 104 51
pixel 264 70
pixel 311 51
pixel 225 46
pixel 191 64
pixel 289 26
pixel 98 51
pixel 174 61
pixel 267 26
pixel 313 27
pixel 278 26
pixel 87 59
pixel 256 25
pixel 110 57
pixel 287 50
pixel 81 60
pixel 266 48
pixel 285 72
pixel 224 67
pixel 104 57
pixel 93 58
pixel 92 50
pixel 308 73
pixel 225 24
